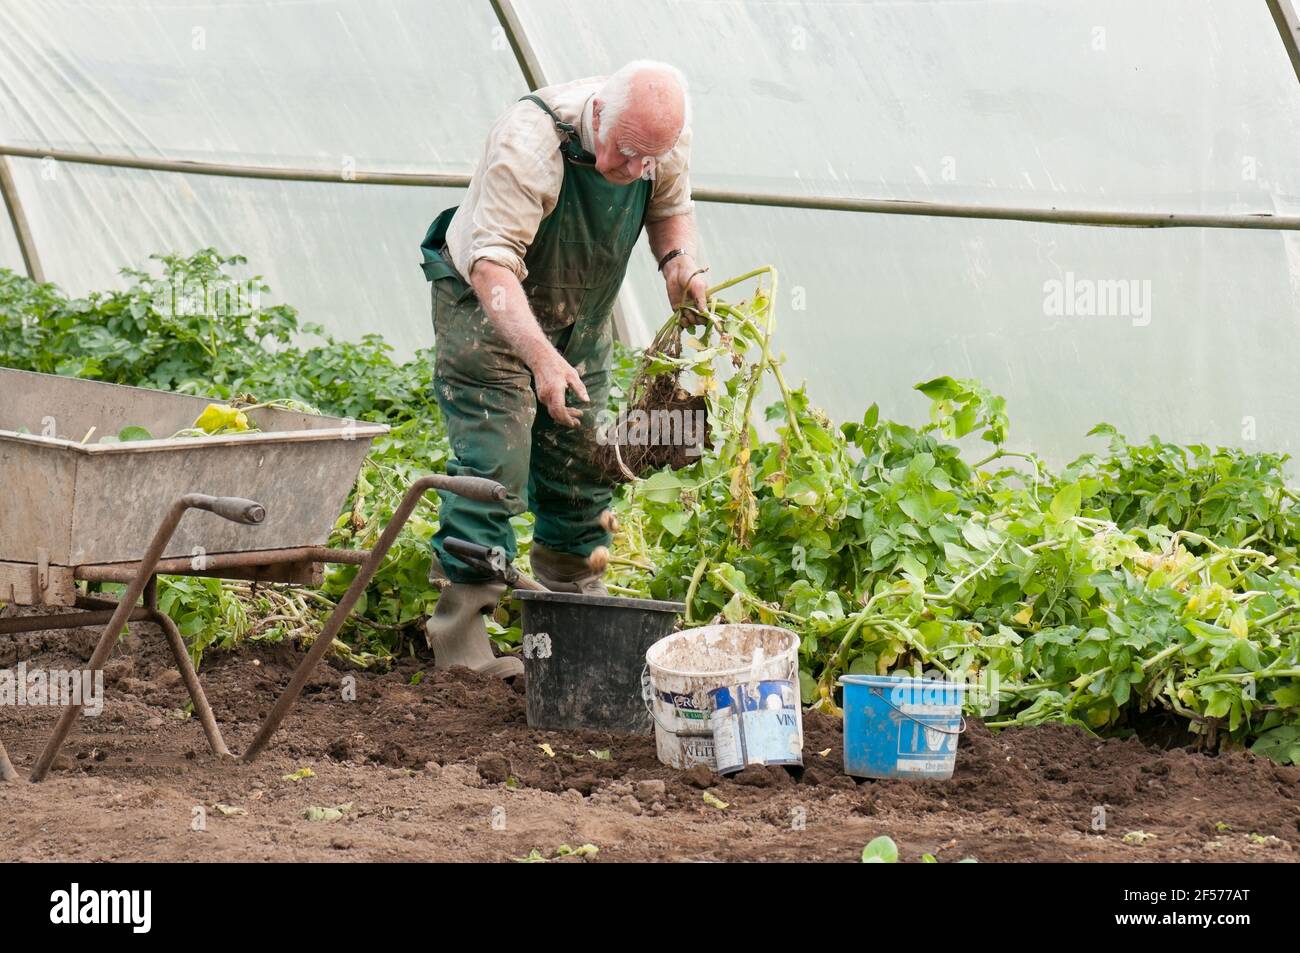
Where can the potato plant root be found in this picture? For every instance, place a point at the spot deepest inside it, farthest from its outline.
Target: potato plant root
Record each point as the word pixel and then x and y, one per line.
pixel 444 766
pixel 663 402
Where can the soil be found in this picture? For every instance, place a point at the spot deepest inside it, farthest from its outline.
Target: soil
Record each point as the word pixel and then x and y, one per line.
pixel 443 766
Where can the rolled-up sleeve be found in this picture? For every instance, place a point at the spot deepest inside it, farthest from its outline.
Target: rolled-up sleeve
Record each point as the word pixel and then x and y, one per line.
pixel 514 188
pixel 671 194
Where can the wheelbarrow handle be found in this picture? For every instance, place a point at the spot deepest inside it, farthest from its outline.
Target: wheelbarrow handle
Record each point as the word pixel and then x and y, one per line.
pixel 472 488
pixel 467 551
pixel 233 508
pixel 491 559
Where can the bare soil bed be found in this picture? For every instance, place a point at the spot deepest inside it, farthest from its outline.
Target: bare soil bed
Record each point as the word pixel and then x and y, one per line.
pixel 443 766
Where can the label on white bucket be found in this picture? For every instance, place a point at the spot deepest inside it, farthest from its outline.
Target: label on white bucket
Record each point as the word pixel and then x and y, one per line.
pixel 757 723
pixel 698 750
pixel 688 707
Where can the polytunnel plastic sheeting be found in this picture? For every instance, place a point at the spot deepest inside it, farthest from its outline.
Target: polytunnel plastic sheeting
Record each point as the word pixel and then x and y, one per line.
pixel 1165 104
pixel 11 256
pixel 1204 350
pixel 405 84
pixel 346 257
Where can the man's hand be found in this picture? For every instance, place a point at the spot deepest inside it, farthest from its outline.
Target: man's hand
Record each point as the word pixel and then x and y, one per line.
pixel 553 376
pixel 683 283
pixel 503 298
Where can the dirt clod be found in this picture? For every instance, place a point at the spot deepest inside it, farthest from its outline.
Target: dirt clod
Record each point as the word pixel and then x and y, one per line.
pixel 649 791
pixel 763 776
pixel 494 768
pixel 629 804
pixel 698 777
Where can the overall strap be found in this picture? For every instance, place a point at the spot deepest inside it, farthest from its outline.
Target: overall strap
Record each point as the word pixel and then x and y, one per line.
pixel 572 145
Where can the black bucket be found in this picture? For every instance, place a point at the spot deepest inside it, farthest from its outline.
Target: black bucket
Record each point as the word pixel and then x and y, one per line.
pixel 584 656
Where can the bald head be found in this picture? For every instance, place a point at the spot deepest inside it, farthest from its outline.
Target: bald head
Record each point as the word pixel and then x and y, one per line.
pixel 639 113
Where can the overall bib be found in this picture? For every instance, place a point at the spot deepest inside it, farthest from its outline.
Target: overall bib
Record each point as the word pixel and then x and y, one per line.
pixel 575 268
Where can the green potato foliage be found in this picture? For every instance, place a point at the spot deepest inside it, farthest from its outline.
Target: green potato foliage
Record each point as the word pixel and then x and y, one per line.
pixel 1140 577
pixel 1148 576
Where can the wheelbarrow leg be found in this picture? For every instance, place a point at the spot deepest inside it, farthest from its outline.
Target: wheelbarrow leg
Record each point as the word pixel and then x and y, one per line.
pixel 186 667
pixel 240 511
pixel 472 487
pixel 7 772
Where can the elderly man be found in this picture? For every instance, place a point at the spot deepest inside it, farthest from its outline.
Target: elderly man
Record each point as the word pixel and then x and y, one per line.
pixel 525 274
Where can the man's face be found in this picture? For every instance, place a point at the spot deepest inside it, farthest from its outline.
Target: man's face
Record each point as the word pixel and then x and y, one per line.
pixel 629 151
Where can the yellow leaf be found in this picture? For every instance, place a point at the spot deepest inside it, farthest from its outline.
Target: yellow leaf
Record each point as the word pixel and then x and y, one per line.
pixel 299 775
pixel 218 417
pixel 712 800
pixel 1023 616
pixel 547 749
pixel 327 813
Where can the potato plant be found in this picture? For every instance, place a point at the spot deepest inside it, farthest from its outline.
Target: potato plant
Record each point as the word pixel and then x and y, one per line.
pixel 1140 577
pixel 1145 576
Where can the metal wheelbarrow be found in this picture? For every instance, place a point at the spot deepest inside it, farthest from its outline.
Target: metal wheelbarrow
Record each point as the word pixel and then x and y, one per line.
pixel 74 511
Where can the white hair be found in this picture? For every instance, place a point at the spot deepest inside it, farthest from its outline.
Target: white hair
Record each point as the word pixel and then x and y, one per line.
pixel 616 92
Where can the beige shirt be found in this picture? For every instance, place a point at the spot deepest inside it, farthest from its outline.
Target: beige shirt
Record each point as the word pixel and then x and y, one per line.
pixel 517 183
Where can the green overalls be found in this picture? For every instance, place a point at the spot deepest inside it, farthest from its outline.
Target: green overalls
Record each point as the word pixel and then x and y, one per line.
pixel 575 267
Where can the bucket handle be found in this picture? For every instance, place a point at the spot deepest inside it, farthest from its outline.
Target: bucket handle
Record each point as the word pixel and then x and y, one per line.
pixel 647 696
pixel 880 693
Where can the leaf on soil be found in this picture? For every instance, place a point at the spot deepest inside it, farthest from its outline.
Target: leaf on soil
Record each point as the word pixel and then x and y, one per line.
pixel 327 813
pixel 882 850
pixel 586 850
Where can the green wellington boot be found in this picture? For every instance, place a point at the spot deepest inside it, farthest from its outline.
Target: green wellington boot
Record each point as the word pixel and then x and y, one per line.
pixel 457 633
pixel 564 572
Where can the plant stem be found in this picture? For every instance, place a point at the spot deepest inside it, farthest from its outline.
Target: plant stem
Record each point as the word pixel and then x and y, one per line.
pixel 1274 616
pixel 695 585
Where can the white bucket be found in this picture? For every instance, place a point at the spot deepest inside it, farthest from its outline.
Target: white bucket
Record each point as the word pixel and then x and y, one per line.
pixel 685 668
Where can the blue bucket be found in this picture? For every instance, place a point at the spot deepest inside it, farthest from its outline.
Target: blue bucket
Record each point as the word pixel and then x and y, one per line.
pixel 898 726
